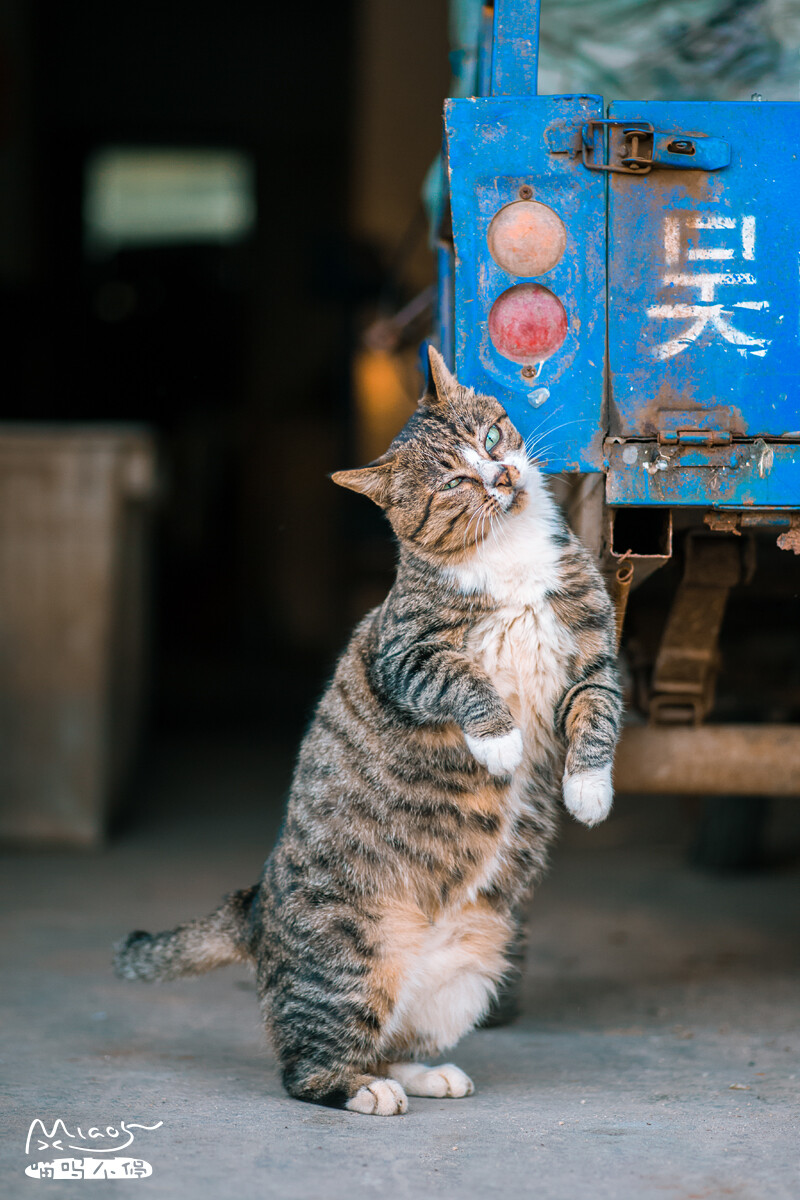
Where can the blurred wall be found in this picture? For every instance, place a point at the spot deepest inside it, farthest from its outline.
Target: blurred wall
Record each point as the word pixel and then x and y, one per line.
pixel 400 79
pixel 239 356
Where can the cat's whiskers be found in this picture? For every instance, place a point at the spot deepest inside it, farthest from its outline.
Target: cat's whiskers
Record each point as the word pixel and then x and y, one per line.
pixel 536 436
pixel 548 417
pixel 544 426
pixel 500 529
pixel 469 522
pixel 479 528
pixel 477 517
pixel 533 444
pixel 493 529
pixel 539 430
pixel 487 512
pixel 476 532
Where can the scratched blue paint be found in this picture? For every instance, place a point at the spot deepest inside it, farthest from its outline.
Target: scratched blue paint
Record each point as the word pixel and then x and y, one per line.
pixel 745 475
pixel 699 275
pixel 515 49
pixel 495 145
pixel 700 316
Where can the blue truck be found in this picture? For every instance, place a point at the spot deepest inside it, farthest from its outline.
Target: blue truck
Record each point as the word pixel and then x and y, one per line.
pixel 625 278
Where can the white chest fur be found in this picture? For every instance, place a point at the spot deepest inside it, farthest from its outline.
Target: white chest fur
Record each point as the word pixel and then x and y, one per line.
pixel 521 645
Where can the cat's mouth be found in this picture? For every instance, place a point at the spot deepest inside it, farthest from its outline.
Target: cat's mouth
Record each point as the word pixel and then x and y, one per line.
pixel 505 483
pixel 507 501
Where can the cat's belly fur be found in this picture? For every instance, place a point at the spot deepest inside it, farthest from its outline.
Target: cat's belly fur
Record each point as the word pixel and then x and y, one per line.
pixel 444 974
pixel 523 650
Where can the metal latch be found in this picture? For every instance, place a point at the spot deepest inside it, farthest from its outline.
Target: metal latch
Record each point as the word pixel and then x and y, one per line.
pixel 695 437
pixel 635 148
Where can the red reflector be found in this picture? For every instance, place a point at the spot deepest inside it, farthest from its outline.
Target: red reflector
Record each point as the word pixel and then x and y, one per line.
pixel 526 238
pixel 527 323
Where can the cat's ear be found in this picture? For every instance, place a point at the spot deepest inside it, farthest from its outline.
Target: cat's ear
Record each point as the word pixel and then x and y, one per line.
pixel 442 384
pixel 372 481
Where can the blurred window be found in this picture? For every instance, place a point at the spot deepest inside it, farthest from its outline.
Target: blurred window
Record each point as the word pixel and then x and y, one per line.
pixel 146 196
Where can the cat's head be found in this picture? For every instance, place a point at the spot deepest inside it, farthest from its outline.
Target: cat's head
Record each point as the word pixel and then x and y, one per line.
pixel 456 470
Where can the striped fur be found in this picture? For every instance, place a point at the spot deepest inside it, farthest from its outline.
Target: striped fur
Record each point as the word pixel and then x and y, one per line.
pixel 426 789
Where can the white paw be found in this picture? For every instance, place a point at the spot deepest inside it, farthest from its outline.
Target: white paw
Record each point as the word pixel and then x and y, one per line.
pixel 588 794
pixel 419 1080
pixel 500 755
pixel 381 1098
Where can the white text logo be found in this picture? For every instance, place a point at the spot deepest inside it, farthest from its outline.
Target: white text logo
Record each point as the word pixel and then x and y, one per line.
pixel 106 1140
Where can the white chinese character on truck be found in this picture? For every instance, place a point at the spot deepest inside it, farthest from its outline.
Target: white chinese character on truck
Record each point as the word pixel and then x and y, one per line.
pixel 710 310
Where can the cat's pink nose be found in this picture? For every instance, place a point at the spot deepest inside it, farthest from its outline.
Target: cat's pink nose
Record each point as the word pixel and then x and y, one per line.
pixel 503 478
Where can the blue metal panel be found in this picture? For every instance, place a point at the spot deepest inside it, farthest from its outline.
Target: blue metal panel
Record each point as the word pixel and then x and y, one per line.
pixel 515 48
pixel 495 147
pixel 704 292
pixel 743 475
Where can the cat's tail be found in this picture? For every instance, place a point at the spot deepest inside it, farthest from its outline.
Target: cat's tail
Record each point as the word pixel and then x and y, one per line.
pixel 214 941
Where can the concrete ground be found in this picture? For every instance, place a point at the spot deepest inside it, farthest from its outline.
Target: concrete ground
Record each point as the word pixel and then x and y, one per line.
pixel 658 1054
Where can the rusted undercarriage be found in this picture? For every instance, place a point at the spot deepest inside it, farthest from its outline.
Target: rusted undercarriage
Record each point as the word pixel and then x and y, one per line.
pixel 672 574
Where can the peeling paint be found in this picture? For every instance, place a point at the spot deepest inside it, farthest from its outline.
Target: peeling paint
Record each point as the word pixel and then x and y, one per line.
pixel 490 176
pixel 698 284
pixel 718 476
pixel 764 458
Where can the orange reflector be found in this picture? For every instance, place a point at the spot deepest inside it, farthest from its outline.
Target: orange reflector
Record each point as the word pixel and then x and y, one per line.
pixel 527 323
pixel 526 238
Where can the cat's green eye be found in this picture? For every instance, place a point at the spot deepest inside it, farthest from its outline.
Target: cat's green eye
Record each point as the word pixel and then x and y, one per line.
pixel 492 437
pixel 451 483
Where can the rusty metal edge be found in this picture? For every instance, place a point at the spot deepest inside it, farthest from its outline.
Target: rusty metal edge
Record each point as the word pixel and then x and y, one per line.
pixel 751 760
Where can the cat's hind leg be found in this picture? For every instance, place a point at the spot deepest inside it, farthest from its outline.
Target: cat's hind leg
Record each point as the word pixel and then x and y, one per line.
pixel 326 1021
pixel 356 1091
pixel 420 1080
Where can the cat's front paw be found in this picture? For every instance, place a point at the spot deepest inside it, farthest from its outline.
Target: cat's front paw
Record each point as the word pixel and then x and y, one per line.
pixel 500 755
pixel 381 1098
pixel 588 794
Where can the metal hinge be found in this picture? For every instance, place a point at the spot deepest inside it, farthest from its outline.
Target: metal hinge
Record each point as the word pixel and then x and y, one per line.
pixel 635 148
pixel 695 437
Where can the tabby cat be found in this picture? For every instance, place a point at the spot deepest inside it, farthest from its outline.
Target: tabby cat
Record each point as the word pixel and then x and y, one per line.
pixel 425 795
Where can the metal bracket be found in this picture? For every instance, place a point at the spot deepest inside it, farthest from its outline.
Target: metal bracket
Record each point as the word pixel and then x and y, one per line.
pixel 694 437
pixel 684 676
pixel 635 148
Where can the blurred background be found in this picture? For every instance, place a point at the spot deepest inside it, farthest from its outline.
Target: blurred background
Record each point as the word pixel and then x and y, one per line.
pixel 210 218
pixel 201 210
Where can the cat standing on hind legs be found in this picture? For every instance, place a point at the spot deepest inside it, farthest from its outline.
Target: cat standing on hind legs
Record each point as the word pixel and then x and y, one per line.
pixel 479 694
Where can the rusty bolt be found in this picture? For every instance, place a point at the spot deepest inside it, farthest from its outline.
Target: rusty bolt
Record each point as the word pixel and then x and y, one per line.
pixel 528 372
pixel 525 192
